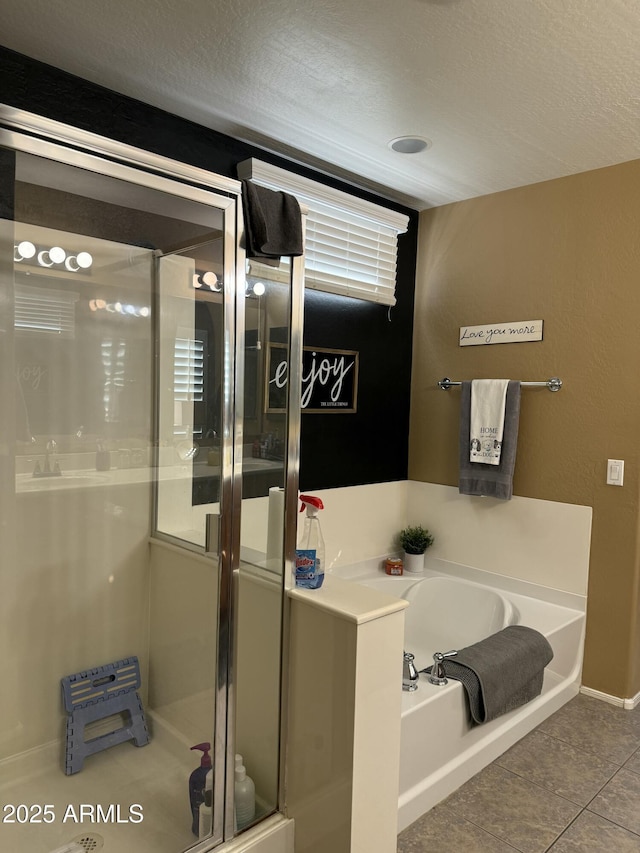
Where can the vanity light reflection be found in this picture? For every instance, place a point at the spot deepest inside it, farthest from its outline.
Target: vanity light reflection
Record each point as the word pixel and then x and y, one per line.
pixel 209 281
pixel 119 308
pixel 206 280
pixel 54 256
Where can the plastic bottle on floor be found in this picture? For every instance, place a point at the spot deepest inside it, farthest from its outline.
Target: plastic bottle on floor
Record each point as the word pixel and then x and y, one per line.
pixel 245 797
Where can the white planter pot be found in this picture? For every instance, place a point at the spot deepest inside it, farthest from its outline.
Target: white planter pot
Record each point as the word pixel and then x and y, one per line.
pixel 413 562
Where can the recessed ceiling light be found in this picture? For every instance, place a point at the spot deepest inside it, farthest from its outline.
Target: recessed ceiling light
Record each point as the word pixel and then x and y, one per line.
pixel 409 144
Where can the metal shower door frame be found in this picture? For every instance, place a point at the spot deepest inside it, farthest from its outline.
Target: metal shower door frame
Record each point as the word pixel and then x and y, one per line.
pixel 31 134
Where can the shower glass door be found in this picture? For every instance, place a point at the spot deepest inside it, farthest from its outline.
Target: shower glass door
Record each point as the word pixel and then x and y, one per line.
pixel 123 563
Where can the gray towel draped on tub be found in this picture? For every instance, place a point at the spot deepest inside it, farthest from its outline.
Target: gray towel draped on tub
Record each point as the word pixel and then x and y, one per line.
pixel 273 223
pixel 501 672
pixel 477 478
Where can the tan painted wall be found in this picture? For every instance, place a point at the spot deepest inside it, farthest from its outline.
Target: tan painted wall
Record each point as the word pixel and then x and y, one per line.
pixel 566 251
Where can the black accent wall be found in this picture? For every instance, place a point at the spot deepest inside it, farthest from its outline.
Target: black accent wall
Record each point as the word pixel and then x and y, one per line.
pixel 337 449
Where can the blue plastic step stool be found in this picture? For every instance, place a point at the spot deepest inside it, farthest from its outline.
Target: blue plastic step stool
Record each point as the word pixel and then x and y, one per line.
pixel 96 694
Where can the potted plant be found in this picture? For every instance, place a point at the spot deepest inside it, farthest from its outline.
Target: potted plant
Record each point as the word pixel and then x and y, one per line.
pixel 414 541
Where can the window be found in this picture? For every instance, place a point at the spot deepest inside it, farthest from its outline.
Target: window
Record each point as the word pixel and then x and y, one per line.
pixel 188 370
pixel 40 309
pixel 350 244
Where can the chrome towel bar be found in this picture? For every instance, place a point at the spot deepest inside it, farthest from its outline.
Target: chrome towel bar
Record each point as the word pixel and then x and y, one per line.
pixel 553 384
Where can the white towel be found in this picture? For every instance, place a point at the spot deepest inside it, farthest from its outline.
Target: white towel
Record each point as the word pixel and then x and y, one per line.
pixel 488 398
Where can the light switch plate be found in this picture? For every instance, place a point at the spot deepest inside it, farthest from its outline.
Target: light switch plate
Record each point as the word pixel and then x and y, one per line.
pixel 615 472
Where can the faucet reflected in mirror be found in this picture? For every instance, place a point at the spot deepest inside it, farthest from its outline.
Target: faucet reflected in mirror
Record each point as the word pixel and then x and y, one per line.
pixel 47 470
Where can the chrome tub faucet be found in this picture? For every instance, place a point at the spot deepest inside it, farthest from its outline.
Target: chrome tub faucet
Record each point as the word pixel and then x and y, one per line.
pixel 437 675
pixel 409 673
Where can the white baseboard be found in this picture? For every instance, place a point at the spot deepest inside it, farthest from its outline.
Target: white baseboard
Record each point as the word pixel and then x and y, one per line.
pixel 627 704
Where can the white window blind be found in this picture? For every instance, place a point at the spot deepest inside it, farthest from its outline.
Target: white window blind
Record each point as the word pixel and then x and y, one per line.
pixel 188 370
pixel 350 244
pixel 347 254
pixel 40 309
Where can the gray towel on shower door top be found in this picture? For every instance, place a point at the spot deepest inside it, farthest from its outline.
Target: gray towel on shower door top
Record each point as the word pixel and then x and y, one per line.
pixel 501 672
pixel 477 478
pixel 272 222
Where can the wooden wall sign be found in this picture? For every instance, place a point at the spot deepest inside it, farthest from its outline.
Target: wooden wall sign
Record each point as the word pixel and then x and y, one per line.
pixel 501 333
pixel 329 379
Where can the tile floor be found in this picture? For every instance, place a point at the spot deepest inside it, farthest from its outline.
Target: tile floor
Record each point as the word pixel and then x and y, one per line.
pixel 571 786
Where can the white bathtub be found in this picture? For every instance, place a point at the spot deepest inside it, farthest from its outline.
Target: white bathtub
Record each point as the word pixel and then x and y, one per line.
pixel 446 613
pixel 440 750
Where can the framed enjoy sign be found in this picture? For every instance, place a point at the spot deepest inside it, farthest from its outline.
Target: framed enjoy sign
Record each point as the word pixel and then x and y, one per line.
pixel 329 379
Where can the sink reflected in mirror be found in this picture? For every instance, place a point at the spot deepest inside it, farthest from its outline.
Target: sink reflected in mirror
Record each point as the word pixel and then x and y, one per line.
pixel 262 465
pixel 27 483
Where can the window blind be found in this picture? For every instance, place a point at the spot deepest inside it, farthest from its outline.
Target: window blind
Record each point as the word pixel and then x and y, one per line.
pixel 350 255
pixel 40 309
pixel 350 244
pixel 188 370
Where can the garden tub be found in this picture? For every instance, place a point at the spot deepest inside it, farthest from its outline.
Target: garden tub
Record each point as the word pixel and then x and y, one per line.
pixel 440 748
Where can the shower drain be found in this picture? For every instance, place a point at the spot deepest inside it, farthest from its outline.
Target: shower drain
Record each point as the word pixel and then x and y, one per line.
pixel 90 841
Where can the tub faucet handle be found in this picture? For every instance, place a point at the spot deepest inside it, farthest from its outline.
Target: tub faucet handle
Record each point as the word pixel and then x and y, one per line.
pixel 437 675
pixel 409 673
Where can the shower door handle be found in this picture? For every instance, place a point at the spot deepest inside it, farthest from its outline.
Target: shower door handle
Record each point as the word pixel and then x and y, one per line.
pixel 212 533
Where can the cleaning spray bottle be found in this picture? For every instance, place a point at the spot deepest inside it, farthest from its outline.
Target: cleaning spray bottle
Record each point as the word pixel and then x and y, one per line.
pixel 310 550
pixel 197 784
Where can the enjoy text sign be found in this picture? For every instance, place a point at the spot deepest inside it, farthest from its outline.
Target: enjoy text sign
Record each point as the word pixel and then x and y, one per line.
pixel 329 379
pixel 501 333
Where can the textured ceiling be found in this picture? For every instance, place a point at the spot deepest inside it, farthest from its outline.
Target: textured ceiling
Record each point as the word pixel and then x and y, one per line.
pixel 511 92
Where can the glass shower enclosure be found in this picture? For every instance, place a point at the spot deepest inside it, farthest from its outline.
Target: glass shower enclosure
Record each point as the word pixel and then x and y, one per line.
pixel 147 473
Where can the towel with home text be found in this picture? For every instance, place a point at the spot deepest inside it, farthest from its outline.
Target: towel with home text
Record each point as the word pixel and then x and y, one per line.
pixel 488 400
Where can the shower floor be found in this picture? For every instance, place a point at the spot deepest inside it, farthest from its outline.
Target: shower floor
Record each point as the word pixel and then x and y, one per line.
pixel 152 777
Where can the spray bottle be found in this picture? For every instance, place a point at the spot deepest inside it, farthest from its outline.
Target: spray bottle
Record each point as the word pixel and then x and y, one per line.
pixel 310 550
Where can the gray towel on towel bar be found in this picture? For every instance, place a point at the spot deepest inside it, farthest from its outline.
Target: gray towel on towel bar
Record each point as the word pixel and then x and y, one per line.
pixel 477 478
pixel 501 672
pixel 272 223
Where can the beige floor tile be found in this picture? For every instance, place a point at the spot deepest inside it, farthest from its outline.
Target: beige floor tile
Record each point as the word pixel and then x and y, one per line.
pixel 513 809
pixel 619 801
pixel 529 799
pixel 633 763
pixel 603 710
pixel 592 834
pixel 605 730
pixel 559 767
pixel 443 831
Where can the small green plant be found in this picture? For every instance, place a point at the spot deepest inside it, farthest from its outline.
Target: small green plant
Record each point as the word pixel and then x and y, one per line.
pixel 415 540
